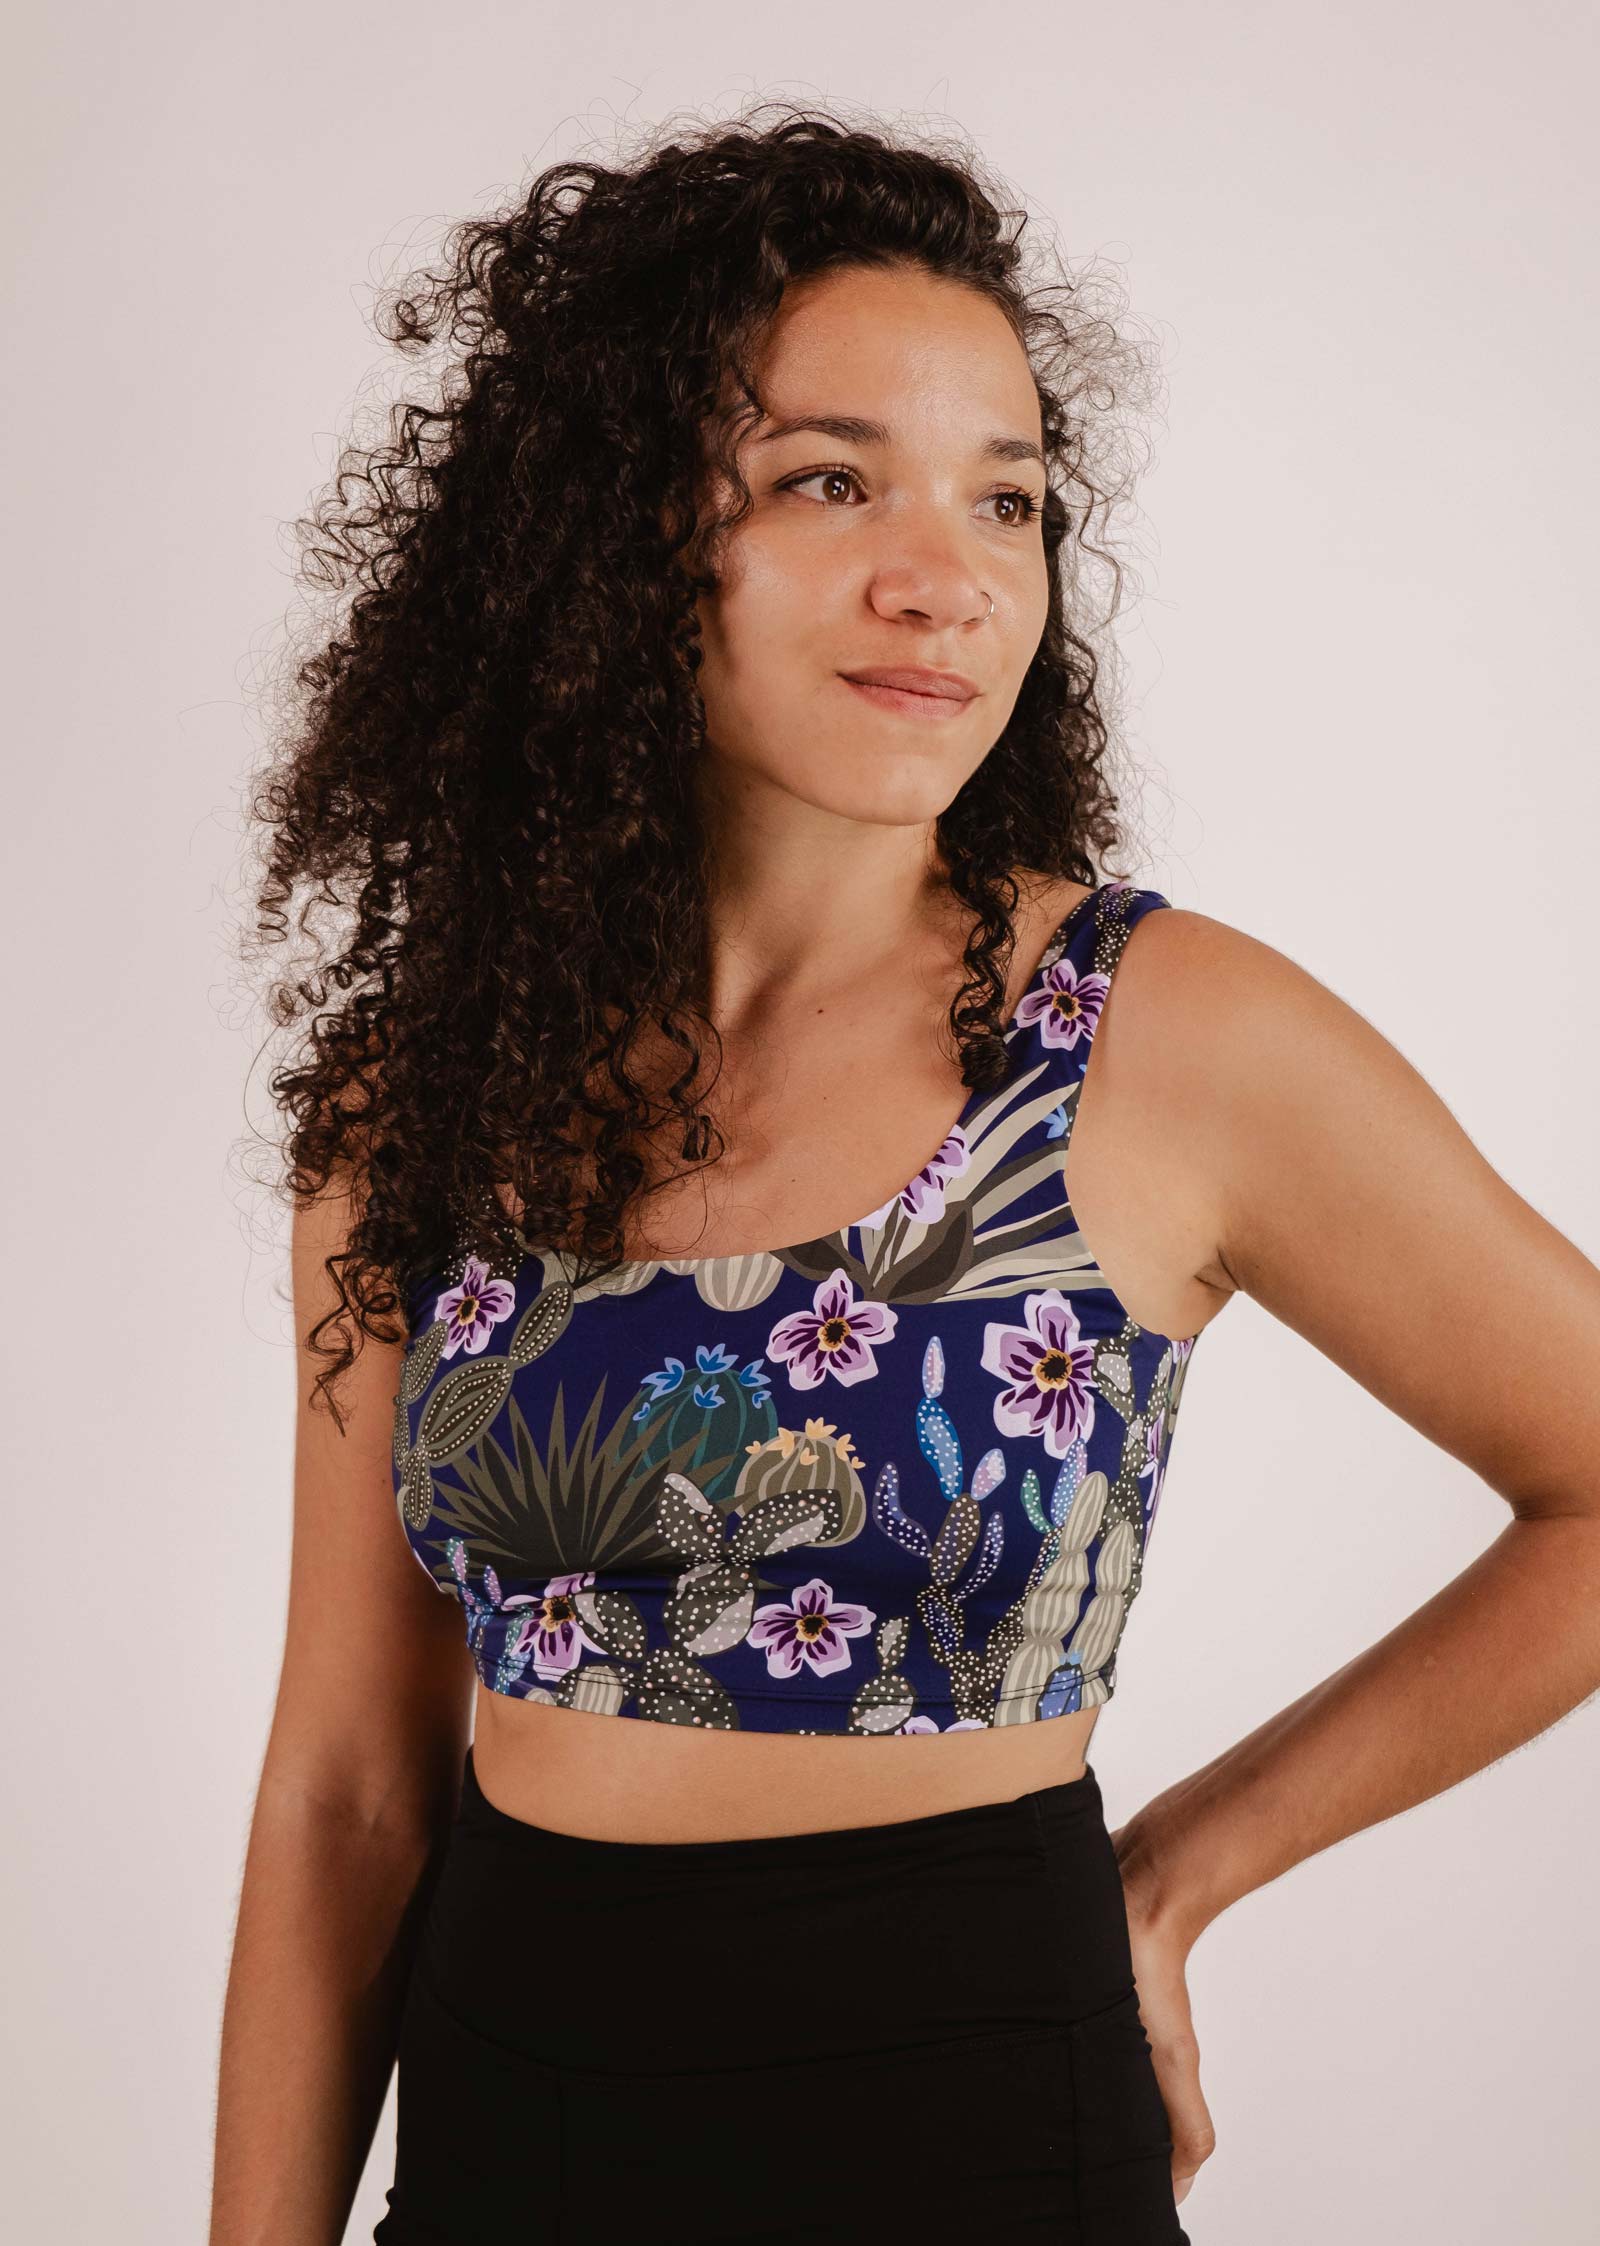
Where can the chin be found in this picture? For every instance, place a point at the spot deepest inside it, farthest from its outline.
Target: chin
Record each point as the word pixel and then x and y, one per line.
pixel 915 800
pixel 855 772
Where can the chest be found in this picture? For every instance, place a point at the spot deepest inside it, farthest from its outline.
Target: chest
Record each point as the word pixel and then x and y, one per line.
pixel 934 1425
pixel 820 1123
pixel 687 1488
pixel 822 1129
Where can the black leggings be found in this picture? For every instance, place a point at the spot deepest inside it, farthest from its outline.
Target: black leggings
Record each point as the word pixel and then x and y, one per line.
pixel 922 2029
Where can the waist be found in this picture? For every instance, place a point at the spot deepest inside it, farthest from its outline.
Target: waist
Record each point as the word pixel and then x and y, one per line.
pixel 1000 1916
pixel 584 1775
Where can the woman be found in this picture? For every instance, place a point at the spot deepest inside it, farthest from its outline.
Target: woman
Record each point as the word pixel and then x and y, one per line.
pixel 753 1398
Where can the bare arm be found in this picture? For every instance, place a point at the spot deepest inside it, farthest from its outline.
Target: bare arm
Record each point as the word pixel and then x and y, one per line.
pixel 357 1789
pixel 1350 1203
pixel 1354 1207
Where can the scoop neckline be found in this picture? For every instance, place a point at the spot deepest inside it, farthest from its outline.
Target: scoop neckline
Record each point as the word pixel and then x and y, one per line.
pixel 687 1266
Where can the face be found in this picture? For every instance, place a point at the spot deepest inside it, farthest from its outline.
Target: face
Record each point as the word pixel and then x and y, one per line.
pixel 878 548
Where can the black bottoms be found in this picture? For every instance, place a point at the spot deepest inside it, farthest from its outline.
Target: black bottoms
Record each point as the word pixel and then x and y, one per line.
pixel 923 2029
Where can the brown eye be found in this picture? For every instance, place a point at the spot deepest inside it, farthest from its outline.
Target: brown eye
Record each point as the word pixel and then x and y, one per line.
pixel 1028 508
pixel 822 475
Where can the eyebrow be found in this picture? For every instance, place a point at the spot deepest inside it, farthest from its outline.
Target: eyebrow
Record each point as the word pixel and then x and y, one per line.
pixel 852 429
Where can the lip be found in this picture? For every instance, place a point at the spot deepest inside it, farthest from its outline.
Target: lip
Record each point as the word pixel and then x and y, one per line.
pixel 948 686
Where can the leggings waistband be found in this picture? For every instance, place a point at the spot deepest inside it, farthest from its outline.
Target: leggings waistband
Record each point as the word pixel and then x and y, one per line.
pixel 638 1954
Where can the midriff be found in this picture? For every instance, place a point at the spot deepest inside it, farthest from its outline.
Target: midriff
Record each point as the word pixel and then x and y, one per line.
pixel 623 1778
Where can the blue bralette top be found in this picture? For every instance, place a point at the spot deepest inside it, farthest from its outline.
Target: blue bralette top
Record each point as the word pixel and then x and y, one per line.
pixel 901 1478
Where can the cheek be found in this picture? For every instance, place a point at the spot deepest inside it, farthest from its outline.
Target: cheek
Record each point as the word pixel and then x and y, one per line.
pixel 772 590
pixel 766 634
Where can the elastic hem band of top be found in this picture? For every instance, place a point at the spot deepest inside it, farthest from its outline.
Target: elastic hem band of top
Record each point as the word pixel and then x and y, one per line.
pixel 939 1708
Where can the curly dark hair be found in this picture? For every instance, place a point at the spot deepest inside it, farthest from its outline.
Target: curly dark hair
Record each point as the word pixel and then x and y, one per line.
pixel 482 803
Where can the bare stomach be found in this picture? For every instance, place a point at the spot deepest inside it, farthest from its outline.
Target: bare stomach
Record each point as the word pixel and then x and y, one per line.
pixel 620 1778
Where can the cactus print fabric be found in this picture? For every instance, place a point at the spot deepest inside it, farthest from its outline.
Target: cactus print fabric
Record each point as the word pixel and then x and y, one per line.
pixel 898 1479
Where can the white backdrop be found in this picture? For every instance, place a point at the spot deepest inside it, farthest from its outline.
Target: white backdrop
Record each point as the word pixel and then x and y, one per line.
pixel 1361 689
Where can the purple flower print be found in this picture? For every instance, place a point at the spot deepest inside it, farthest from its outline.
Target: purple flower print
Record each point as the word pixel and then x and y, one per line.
pixel 809 1634
pixel 926 1723
pixel 553 1637
pixel 1048 1371
pixel 923 1198
pixel 836 1335
pixel 1065 1004
pixel 474 1308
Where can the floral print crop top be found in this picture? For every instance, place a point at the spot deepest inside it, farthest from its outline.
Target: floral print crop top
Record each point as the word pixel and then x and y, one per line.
pixel 898 1479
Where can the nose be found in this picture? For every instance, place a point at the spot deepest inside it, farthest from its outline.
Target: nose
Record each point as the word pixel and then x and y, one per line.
pixel 942 594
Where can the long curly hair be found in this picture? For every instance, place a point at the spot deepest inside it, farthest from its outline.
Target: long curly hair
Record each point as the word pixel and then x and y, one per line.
pixel 477 832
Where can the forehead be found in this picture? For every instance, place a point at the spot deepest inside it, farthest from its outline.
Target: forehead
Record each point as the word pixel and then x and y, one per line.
pixel 916 352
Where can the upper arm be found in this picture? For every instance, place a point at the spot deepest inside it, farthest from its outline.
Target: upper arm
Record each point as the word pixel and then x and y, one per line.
pixel 375 1694
pixel 1350 1203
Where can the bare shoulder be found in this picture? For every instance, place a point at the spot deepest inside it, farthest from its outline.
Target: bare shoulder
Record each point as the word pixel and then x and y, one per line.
pixel 1222 1008
pixel 1222 1068
pixel 1189 952
pixel 1344 1195
pixel 1248 1063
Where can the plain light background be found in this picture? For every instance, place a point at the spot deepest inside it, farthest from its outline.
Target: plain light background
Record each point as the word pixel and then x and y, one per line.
pixel 1361 691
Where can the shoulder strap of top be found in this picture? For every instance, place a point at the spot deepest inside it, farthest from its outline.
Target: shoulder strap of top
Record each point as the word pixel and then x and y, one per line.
pixel 1081 980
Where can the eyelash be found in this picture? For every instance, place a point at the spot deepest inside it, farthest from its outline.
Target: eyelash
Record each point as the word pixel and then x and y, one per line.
pixel 1031 506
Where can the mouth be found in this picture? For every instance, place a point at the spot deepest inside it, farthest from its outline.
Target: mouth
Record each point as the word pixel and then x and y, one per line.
pixel 937 698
